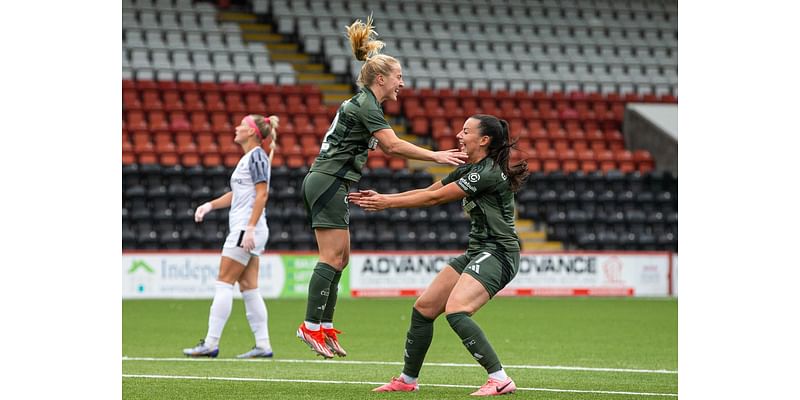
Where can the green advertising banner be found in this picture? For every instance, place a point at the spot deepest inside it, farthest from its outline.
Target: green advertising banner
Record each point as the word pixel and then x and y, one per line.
pixel 298 270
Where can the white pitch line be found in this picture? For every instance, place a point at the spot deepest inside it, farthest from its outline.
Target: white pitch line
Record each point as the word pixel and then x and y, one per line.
pixel 550 367
pixel 217 378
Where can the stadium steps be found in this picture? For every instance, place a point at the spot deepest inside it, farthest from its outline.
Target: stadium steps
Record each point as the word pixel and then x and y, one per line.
pixel 287 49
pixel 533 239
pixel 283 49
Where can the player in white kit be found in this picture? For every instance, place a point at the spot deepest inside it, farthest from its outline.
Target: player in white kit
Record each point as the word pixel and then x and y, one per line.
pixel 246 239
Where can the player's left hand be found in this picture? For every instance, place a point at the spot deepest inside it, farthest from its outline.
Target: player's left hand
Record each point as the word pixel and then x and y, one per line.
pixel 249 239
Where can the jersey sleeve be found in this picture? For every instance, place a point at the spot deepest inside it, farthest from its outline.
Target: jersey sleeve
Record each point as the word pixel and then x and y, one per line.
pixel 259 166
pixel 373 119
pixel 478 179
pixel 456 174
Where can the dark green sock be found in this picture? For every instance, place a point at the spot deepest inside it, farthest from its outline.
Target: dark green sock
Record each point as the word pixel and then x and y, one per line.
pixel 475 341
pixel 418 340
pixel 327 316
pixel 318 290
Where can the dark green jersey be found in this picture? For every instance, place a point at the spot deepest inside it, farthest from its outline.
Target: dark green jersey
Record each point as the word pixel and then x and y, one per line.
pixel 344 148
pixel 490 205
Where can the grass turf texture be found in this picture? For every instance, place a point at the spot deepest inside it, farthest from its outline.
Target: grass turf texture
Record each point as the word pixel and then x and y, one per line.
pixel 613 333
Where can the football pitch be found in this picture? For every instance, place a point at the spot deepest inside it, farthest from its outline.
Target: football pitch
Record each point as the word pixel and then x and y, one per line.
pixel 554 348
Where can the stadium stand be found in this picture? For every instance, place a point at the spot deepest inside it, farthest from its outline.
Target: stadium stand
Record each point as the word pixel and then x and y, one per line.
pixel 560 72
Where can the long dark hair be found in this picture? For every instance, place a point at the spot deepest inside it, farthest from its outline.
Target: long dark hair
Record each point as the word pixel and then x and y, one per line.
pixel 500 148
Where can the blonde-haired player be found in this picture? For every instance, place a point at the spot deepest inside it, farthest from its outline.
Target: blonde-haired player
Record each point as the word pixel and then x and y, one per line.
pixel 246 239
pixel 358 126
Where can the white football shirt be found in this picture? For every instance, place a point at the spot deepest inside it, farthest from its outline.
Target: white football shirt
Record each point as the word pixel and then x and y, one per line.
pixel 252 168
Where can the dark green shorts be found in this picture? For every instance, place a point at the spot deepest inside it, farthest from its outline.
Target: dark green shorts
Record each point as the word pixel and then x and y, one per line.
pixel 493 270
pixel 325 198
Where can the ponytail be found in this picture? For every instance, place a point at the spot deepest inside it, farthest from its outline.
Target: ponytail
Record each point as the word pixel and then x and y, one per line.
pixel 268 127
pixel 500 148
pixel 367 49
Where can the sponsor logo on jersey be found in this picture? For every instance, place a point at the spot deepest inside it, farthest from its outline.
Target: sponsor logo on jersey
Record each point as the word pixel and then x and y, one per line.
pixel 466 185
pixel 468 206
pixel 474 177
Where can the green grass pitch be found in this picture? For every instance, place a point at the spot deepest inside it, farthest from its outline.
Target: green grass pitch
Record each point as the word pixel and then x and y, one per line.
pixel 554 348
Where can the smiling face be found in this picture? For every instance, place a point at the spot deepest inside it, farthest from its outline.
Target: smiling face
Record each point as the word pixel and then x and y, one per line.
pixel 392 83
pixel 471 141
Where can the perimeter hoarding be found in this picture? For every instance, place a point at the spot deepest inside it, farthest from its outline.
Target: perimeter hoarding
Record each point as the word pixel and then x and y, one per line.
pixel 192 275
pixel 540 274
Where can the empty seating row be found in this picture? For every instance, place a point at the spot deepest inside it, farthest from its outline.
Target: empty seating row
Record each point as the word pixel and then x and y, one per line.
pixel 230 102
pixel 439 53
pixel 229 41
pixel 288 12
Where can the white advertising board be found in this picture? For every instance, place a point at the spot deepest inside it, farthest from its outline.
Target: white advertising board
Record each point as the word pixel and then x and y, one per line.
pixel 192 274
pixel 188 275
pixel 540 274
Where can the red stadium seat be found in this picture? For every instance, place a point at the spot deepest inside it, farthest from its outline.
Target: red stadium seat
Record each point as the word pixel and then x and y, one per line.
pixel 135 120
pixel 397 163
pixel 148 158
pixel 447 143
pixel 151 100
pixel 128 158
pixel 213 101
pixel 614 139
pixel 193 102
pixel 220 123
pixel 277 160
pixel 172 101
pixel 624 159
pixel 420 127
pixel 374 162
pixel 606 161
pixel 198 122
pixel 534 165
pixel 130 100
pixel 212 160
pixel 295 161
pixel 168 159
pixel 230 160
pixel 580 145
pixel 255 103
pixel 644 160
pixel 190 160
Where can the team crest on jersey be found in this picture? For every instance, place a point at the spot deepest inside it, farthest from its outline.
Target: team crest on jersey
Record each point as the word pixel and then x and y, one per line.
pixel 502 175
pixel 473 177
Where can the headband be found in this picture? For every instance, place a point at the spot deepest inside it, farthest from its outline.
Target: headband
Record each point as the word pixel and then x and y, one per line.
pixel 253 125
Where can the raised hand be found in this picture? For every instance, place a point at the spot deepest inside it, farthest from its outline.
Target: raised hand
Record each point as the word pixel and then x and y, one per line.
pixel 451 157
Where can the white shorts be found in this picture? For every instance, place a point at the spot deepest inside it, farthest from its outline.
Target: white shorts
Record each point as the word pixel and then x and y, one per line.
pixel 232 247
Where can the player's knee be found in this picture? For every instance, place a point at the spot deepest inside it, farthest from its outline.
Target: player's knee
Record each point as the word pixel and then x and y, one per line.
pixel 455 306
pixel 246 284
pixel 428 309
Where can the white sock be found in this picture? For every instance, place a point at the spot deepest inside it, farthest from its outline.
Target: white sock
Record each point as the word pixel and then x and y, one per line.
pixel 311 326
pixel 499 375
pixel 327 325
pixel 256 312
pixel 408 379
pixel 220 311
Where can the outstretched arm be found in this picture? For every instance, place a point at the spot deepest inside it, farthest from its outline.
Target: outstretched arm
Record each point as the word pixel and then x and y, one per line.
pixel 394 146
pixel 372 201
